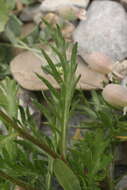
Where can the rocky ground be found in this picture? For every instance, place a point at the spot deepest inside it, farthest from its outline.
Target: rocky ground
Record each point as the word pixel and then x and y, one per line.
pixel 99 27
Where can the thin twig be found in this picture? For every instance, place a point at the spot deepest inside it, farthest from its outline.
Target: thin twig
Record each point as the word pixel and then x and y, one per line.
pixel 16 181
pixel 27 136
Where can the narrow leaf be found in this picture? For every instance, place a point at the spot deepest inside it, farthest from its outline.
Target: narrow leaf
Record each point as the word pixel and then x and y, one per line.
pixel 65 176
pixel 56 74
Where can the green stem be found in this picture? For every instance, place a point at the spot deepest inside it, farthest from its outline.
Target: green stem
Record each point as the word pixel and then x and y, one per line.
pixel 111 169
pixel 110 178
pixel 16 181
pixel 64 131
pixel 50 172
pixel 27 136
pixel 67 103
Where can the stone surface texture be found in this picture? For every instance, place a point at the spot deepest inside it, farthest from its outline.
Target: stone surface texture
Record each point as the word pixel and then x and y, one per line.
pixel 122 185
pixel 28 13
pixel 24 68
pixel 54 5
pixel 89 79
pixel 104 30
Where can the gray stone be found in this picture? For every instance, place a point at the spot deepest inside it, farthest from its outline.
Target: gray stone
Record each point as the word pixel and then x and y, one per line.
pixel 122 184
pixel 25 66
pixel 105 30
pixel 123 1
pixel 54 5
pixel 29 13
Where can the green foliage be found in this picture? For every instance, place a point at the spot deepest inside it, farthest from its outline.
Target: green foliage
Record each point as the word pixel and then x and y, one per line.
pixel 8 22
pixel 90 158
pixel 101 115
pixel 5 57
pixel 13 28
pixel 9 104
pixel 8 101
pixel 5 7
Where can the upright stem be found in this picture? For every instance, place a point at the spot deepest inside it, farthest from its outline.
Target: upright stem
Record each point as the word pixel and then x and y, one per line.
pixel 67 103
pixel 110 177
pixel 110 174
pixel 50 172
pixel 64 135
